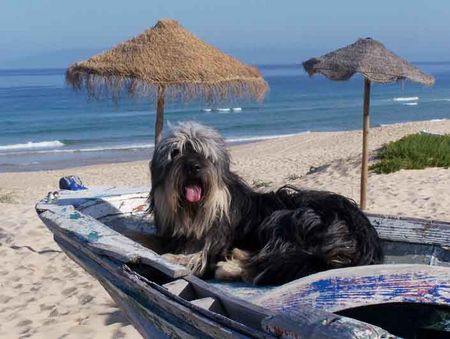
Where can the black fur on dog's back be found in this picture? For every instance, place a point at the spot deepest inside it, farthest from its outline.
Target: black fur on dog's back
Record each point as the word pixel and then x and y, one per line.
pixel 292 233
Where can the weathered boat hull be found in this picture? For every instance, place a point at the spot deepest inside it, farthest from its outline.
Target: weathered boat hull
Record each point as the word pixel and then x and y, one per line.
pixel 163 300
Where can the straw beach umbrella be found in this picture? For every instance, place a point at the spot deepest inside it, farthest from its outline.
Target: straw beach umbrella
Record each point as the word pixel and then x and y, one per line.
pixel 168 60
pixel 377 64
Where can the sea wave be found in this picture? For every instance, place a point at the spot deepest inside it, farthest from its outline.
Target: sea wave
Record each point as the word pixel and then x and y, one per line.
pixel 406 99
pixel 133 146
pixel 111 148
pixel 222 110
pixel 265 137
pixel 385 125
pixel 405 122
pixel 82 150
pixel 32 145
pixel 410 103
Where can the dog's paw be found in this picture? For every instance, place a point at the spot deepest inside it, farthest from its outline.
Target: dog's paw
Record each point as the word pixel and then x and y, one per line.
pixel 240 255
pixel 180 259
pixel 193 261
pixel 228 270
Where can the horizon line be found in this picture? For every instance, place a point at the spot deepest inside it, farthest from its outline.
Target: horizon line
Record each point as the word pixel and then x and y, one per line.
pixel 290 65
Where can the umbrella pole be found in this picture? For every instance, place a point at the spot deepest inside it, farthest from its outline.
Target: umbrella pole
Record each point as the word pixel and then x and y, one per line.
pixel 159 114
pixel 365 151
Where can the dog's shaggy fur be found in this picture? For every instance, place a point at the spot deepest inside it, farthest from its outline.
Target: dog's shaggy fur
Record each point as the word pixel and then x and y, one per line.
pixel 216 224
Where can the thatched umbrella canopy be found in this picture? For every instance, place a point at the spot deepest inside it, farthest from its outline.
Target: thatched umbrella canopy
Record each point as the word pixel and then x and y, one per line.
pixel 171 61
pixel 370 58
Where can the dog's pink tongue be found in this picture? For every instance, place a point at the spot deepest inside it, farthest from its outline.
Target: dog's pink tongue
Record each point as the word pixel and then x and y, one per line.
pixel 193 193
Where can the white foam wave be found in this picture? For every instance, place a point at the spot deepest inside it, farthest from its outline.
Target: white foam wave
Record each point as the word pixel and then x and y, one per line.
pixel 93 149
pixel 145 146
pixel 265 137
pixel 410 103
pixel 405 122
pixel 111 148
pixel 151 145
pixel 32 145
pixel 406 99
pixel 222 110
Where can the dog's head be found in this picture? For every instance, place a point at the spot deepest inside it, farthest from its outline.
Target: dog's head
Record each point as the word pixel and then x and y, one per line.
pixel 189 170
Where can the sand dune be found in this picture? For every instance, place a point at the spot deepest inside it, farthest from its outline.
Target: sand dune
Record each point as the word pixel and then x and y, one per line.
pixel 45 294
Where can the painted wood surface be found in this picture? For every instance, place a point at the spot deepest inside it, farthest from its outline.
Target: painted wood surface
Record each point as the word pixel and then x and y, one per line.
pixel 340 289
pixel 180 288
pixel 209 303
pixel 410 253
pixel 412 230
pixel 149 309
pixel 128 205
pixel 75 198
pixel 151 312
pixel 308 321
pixel 294 326
pixel 75 226
pixel 178 314
pixel 293 310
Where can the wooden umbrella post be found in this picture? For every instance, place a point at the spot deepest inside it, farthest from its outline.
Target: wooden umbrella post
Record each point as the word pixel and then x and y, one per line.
pixel 159 114
pixel 365 151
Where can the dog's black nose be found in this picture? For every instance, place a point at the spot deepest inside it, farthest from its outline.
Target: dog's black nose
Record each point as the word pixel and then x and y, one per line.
pixel 193 167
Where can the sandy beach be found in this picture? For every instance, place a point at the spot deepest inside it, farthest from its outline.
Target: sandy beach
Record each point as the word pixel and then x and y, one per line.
pixel 44 294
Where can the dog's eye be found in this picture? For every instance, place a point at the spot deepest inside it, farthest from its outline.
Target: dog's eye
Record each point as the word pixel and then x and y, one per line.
pixel 174 153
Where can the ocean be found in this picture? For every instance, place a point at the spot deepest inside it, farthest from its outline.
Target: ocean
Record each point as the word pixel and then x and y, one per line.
pixel 44 124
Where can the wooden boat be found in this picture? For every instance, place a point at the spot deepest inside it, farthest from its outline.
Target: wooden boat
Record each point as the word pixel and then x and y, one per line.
pixel 105 229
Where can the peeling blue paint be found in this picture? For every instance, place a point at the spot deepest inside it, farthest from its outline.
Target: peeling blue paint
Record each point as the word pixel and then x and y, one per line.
pixel 364 285
pixel 436 292
pixel 75 216
pixel 93 236
pixel 397 292
pixel 400 287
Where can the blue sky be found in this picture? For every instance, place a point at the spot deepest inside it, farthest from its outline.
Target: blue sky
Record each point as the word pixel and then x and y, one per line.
pixel 53 33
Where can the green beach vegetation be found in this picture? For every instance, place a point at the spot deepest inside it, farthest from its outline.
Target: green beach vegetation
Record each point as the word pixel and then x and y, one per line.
pixel 7 198
pixel 415 151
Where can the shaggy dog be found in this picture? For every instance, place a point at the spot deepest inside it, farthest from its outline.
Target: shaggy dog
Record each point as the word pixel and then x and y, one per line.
pixel 217 225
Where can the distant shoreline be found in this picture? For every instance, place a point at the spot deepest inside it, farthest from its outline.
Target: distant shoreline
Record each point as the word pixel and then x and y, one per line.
pixel 79 159
pixel 97 158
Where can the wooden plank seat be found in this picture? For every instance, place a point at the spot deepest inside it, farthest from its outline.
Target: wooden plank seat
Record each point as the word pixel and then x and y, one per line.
pixel 341 289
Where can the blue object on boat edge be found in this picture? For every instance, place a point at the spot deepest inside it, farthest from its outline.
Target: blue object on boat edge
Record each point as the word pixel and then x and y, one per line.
pixel 71 183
